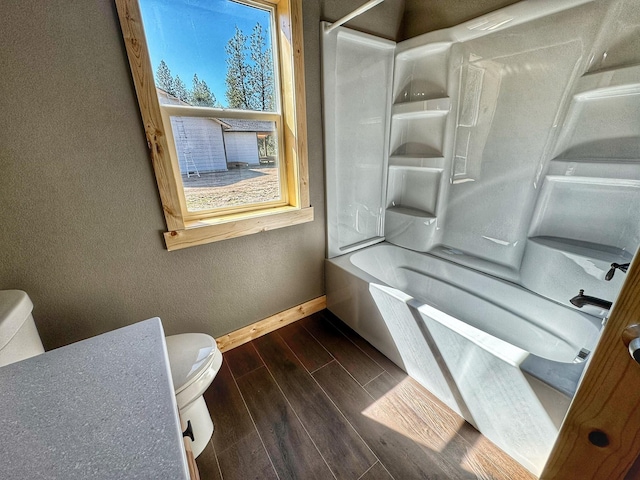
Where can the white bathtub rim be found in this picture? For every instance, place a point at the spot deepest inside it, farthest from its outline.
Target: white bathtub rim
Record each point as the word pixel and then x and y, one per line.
pixel 467 270
pixel 503 350
pixel 527 316
pixel 537 306
pixel 562 376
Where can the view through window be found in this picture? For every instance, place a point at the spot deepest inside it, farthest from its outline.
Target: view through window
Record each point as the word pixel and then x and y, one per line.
pixel 216 75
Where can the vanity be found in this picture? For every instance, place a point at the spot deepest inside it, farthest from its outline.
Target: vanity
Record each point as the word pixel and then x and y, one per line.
pixel 102 408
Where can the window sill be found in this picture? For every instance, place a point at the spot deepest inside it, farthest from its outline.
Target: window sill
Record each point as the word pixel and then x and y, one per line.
pixel 213 230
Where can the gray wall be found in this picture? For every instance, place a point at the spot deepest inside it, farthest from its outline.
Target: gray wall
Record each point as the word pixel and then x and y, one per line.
pixel 81 218
pixel 382 20
pixel 421 16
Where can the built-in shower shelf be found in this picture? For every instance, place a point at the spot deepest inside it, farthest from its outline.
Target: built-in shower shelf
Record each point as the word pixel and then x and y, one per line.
pixel 602 120
pixel 601 160
pixel 622 75
pixel 421 74
pixel 421 108
pixel 417 161
pixel 594 210
pixel 401 210
pixel 620 168
pixel 592 251
pixel 421 50
pixel 418 135
pixel 417 150
pixel 409 227
pixel 590 89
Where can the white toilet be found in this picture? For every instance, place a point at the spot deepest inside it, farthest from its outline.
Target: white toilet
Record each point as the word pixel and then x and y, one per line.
pixel 194 359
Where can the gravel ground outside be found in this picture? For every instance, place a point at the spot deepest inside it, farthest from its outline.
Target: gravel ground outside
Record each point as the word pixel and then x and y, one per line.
pixel 234 187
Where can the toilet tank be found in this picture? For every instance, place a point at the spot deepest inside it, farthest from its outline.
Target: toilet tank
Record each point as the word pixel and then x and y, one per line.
pixel 19 338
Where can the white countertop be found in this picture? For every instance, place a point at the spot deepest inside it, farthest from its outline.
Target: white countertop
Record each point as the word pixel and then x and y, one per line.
pixel 102 408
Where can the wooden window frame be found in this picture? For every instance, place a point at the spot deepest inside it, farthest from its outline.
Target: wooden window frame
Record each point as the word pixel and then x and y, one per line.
pixel 184 228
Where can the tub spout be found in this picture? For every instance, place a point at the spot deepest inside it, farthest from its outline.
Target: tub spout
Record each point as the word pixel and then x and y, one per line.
pixel 581 300
pixel 616 266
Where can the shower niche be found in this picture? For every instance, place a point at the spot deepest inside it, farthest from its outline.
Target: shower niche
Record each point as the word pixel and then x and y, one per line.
pixel 412 196
pixel 419 113
pixel 421 103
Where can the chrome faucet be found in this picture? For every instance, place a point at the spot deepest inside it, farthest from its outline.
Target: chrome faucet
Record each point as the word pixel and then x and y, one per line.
pixel 616 266
pixel 581 300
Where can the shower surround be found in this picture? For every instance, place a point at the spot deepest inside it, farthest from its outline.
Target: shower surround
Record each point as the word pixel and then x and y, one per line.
pixel 500 161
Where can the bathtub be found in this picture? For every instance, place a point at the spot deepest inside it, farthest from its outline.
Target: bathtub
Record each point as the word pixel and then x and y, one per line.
pixel 504 358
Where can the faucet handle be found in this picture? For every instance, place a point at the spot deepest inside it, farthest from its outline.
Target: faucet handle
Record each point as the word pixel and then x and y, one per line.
pixel 610 273
pixel 616 266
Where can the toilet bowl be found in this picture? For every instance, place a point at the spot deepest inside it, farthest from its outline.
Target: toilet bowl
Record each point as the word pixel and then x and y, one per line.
pixel 194 359
pixel 19 338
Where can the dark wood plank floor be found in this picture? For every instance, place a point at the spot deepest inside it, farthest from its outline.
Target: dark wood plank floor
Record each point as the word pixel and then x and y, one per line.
pixel 314 400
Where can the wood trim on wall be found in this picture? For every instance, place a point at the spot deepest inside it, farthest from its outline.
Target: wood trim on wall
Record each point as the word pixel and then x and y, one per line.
pixel 208 231
pixel 186 229
pixel 294 108
pixel 140 63
pixel 269 324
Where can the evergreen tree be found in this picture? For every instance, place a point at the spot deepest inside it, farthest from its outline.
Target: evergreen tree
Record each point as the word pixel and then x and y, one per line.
pixel 164 80
pixel 249 78
pixel 261 72
pixel 180 89
pixel 238 73
pixel 201 95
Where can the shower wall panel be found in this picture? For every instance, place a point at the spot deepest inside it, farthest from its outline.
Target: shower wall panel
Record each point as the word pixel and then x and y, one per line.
pixel 357 71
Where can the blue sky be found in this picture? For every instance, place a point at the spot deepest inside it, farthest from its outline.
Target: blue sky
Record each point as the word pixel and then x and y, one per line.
pixel 190 36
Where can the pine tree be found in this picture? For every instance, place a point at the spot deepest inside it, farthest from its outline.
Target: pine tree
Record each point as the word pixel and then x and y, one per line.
pixel 249 78
pixel 261 72
pixel 164 80
pixel 180 89
pixel 238 73
pixel 201 95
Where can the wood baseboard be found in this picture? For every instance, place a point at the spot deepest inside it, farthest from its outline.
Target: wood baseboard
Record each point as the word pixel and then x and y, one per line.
pixel 269 324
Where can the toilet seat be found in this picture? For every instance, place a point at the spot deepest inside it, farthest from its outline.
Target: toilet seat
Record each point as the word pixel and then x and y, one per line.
pixel 194 359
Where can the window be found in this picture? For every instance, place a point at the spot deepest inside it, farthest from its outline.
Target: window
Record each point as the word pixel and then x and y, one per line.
pixel 220 84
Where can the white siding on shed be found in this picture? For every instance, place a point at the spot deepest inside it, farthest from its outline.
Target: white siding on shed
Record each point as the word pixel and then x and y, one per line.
pixel 201 140
pixel 242 147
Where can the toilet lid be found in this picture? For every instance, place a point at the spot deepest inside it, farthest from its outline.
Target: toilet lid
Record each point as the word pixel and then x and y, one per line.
pixel 190 354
